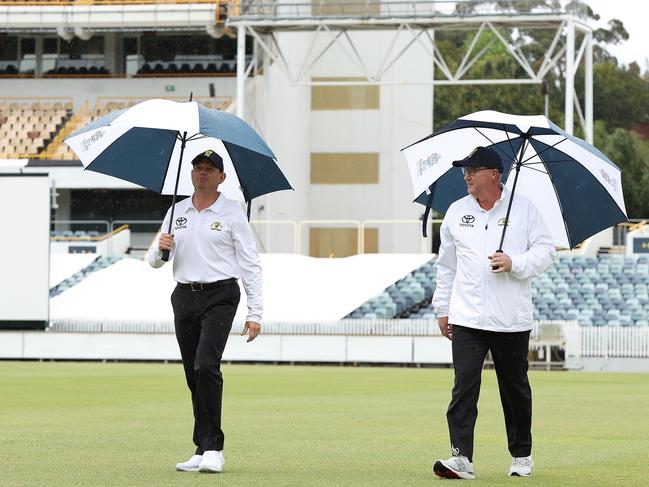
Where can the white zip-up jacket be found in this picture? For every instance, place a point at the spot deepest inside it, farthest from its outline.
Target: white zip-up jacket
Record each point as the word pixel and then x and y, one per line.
pixel 467 291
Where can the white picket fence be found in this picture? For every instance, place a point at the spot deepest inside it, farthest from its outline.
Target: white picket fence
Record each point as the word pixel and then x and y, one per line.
pixel 579 341
pixel 607 341
pixel 362 327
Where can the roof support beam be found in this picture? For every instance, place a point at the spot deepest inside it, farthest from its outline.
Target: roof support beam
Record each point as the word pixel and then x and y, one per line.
pixel 421 29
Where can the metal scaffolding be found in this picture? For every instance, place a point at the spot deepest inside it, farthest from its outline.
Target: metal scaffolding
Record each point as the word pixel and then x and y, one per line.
pixel 335 22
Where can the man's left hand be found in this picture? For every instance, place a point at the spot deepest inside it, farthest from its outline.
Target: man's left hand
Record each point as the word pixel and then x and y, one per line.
pixel 500 262
pixel 252 329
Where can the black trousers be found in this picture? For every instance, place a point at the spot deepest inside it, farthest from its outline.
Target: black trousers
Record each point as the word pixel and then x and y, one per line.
pixel 509 352
pixel 203 320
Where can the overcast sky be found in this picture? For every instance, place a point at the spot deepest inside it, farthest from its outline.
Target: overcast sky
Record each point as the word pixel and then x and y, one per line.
pixel 635 16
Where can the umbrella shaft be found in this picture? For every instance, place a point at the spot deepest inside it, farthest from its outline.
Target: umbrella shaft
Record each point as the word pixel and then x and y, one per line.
pixel 165 254
pixel 519 163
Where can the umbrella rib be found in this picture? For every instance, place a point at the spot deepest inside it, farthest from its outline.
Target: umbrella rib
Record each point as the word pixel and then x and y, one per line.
pixel 445 130
pixel 547 148
pixel 491 141
pixel 527 166
pixel 546 162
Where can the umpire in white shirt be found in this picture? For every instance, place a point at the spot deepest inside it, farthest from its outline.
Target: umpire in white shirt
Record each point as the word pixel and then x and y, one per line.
pixel 483 303
pixel 211 247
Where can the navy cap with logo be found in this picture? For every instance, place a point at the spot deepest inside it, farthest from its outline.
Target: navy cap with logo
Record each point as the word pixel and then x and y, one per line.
pixel 481 157
pixel 210 156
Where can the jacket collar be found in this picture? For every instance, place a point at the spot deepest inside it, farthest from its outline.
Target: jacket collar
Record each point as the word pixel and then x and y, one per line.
pixel 214 207
pixel 505 194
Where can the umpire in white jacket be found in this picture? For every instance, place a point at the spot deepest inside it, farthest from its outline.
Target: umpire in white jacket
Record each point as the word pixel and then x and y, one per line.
pixel 483 303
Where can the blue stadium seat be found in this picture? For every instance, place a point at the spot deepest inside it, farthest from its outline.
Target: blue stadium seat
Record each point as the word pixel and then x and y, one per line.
pixel 593 291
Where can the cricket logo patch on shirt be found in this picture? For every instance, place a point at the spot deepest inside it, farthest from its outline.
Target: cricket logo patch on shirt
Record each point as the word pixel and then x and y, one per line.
pixel 467 221
pixel 216 226
pixel 181 222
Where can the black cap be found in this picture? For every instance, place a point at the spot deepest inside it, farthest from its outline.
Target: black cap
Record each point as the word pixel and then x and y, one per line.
pixel 481 157
pixel 210 156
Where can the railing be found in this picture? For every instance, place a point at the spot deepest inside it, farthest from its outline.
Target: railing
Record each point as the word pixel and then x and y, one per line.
pixel 89 238
pixel 424 244
pixel 291 223
pixel 41 3
pixel 142 231
pixel 342 327
pixel 620 231
pixel 36 101
pixel 294 241
pixel 373 8
pixel 355 223
pixel 147 228
pixel 99 225
pixel 220 102
pixel 110 240
pixel 604 342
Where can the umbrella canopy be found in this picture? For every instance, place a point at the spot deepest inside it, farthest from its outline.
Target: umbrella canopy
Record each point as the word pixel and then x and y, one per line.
pixel 148 143
pixel 576 188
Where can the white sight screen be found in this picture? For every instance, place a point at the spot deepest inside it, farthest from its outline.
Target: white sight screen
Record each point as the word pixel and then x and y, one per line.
pixel 24 250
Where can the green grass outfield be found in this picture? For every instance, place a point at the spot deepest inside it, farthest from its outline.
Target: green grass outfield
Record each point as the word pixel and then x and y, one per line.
pixel 93 424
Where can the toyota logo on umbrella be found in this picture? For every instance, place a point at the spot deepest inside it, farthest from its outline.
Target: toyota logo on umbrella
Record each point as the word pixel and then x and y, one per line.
pixel 468 219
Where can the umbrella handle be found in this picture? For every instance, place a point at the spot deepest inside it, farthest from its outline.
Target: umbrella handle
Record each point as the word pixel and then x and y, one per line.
pixel 424 220
pixel 495 267
pixel 165 255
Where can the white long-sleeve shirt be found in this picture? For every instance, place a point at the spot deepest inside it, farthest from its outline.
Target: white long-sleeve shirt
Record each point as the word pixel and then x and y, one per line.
pixel 211 245
pixel 467 291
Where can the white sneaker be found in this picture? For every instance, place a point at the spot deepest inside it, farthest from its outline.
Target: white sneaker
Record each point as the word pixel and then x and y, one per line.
pixel 457 467
pixel 190 465
pixel 521 467
pixel 212 462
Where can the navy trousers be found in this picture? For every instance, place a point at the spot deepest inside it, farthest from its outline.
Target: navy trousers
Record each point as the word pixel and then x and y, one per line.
pixel 203 320
pixel 509 352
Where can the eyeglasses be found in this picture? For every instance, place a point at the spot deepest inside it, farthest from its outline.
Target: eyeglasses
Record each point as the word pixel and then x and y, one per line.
pixel 470 171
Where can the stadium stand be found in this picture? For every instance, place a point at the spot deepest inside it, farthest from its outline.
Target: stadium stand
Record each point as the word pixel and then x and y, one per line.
pixel 180 68
pixel 96 263
pixel 27 127
pixel 406 298
pixel 132 292
pixel 36 129
pixel 594 291
pixel 63 266
pixel 74 72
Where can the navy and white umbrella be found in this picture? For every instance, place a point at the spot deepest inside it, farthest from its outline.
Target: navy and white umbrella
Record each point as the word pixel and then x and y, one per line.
pixel 576 188
pixel 152 144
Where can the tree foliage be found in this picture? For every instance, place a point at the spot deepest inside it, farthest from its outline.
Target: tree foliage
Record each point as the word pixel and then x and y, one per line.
pixel 620 93
pixel 631 153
